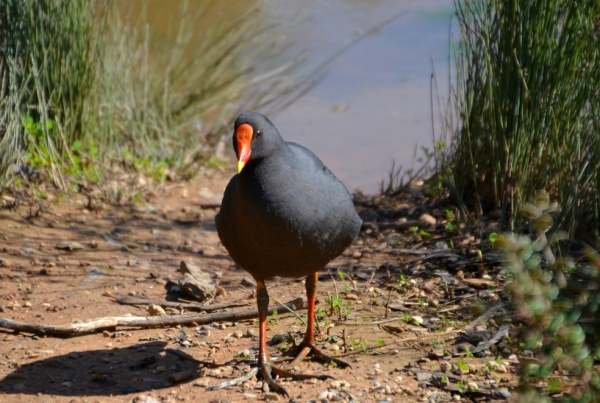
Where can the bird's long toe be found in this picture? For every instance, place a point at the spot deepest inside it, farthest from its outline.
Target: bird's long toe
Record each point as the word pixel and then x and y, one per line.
pixel 310 350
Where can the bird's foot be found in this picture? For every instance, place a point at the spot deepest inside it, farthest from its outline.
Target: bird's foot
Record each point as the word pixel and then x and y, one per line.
pixel 309 349
pixel 267 370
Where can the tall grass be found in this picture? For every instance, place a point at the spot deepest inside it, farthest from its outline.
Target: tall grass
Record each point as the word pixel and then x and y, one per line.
pixel 174 106
pixel 47 49
pixel 527 99
pixel 82 91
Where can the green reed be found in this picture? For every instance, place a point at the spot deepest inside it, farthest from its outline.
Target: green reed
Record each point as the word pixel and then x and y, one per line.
pixel 526 102
pixel 81 91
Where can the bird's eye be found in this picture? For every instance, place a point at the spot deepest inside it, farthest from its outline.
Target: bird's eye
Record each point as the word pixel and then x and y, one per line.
pixel 258 134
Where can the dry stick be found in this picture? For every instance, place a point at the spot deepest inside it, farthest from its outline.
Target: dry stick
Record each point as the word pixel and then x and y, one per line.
pixel 251 293
pixel 153 321
pixel 290 310
pixel 362 350
pixel 145 301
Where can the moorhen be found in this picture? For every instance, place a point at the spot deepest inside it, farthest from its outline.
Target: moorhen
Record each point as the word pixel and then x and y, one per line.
pixel 284 214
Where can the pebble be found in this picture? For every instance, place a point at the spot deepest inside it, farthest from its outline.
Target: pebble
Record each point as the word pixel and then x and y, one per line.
pixel 69 246
pixel 459 371
pixel 501 369
pixel 356 255
pixel 156 310
pixel 445 366
pixel 428 219
pixel 201 382
pixel 352 297
pixel 271 396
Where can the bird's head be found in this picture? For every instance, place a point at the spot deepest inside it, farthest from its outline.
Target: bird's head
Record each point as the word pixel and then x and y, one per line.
pixel 254 138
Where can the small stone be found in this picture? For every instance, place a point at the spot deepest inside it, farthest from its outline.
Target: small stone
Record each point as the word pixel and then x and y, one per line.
pixel 472 386
pixel 460 371
pixel 107 294
pixel 238 335
pixel 323 395
pixel 271 396
pixel 335 384
pixel 445 366
pixel 352 297
pixel 201 382
pixel 156 310
pixel 356 255
pixel 501 369
pixel 250 333
pixel 69 246
pixel 427 219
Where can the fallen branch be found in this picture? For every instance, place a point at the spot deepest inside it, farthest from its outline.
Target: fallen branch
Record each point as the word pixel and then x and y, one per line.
pixel 146 301
pixel 412 251
pixel 400 341
pixel 140 321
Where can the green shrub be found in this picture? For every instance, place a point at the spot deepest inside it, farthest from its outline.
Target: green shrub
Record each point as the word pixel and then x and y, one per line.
pixel 556 303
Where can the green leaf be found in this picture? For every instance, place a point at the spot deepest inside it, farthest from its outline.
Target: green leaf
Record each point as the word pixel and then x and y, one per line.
pixel 76 145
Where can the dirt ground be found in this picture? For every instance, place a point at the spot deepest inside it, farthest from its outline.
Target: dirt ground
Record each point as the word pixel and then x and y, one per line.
pixel 135 250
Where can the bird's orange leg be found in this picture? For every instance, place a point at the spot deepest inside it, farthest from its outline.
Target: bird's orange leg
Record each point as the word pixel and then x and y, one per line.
pixel 265 365
pixel 307 347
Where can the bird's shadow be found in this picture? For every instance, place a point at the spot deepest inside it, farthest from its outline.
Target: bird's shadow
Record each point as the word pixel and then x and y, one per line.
pixel 134 369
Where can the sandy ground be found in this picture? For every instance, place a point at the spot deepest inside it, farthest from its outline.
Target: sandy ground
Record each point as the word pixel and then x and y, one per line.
pixel 136 250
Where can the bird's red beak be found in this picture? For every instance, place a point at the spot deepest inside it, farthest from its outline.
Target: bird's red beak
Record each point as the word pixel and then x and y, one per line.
pixel 243 137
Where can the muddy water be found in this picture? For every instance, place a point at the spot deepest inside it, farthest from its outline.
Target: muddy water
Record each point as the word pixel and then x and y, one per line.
pixel 373 107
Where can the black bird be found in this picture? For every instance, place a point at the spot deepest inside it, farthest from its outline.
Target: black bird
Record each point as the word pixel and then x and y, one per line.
pixel 283 214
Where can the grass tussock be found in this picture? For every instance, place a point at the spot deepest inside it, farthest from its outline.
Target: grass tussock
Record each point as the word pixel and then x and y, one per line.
pixel 84 92
pixel 555 302
pixel 47 55
pixel 527 99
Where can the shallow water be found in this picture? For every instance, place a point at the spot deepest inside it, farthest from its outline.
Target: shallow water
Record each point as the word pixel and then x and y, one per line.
pixel 383 83
pixel 373 106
